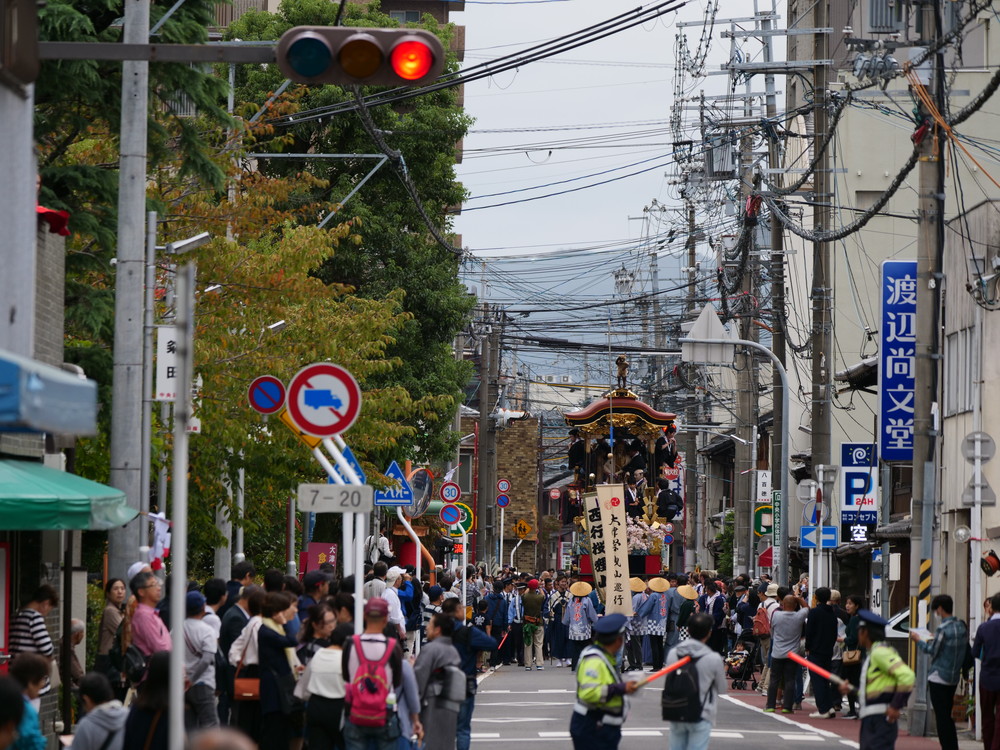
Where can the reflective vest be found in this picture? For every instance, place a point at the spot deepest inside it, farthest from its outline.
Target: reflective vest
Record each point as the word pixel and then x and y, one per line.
pixel 885 679
pixel 594 674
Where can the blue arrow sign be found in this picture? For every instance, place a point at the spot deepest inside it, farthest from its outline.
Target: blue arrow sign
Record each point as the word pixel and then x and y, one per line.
pixel 348 455
pixel 402 494
pixel 807 537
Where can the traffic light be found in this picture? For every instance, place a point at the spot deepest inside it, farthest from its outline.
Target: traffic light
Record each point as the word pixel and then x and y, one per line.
pixel 348 55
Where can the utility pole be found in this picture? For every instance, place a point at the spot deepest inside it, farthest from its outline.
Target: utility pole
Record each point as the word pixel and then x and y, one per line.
pixel 126 405
pixel 486 436
pixel 930 246
pixel 691 504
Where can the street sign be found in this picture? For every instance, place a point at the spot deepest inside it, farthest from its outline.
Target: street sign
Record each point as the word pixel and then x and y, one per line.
pixel 555 494
pixel 464 524
pixel 978 445
pixel 310 441
pixel 503 485
pixel 814 513
pixel 813 537
pixel 323 399
pixel 897 348
pixel 522 529
pixel 422 483
pixel 450 492
pixel 503 501
pixel 348 455
pixel 335 498
pixel 401 494
pixel 668 527
pixel 668 539
pixel 450 515
pixel 763 518
pixel 266 394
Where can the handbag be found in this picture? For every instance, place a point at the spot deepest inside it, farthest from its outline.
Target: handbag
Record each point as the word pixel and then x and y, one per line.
pixel 245 688
pixel 852 656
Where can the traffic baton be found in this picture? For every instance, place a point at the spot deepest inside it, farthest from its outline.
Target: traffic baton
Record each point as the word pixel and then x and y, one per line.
pixel 500 645
pixel 835 679
pixel 665 671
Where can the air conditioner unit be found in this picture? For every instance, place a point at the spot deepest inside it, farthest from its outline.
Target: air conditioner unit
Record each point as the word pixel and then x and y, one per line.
pixel 566 379
pixel 550 378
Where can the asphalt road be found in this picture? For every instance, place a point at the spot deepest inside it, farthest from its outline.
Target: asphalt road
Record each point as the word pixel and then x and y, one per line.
pixel 517 706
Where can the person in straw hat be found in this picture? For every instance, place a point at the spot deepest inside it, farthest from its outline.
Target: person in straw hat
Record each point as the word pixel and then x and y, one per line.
pixel 637 624
pixel 579 617
pixel 688 596
pixel 654 611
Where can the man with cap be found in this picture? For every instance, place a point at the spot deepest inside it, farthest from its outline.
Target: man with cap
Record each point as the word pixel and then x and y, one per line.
pixel 886 683
pixel 200 645
pixel 393 580
pixel 769 604
pixel 434 595
pixel 601 694
pixel 534 631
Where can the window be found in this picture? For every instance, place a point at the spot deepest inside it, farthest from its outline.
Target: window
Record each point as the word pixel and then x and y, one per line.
pixel 405 16
pixel 960 367
pixel 465 472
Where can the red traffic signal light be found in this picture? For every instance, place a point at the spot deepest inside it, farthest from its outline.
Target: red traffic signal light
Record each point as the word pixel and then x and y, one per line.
pixel 347 55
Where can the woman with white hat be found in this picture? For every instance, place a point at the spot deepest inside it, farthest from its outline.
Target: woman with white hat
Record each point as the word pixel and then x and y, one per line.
pixel 579 617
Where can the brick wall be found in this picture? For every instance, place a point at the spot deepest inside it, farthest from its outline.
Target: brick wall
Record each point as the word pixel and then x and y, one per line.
pixel 517 461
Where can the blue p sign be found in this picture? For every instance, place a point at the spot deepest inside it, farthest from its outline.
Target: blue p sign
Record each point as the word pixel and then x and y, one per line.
pixel 859 489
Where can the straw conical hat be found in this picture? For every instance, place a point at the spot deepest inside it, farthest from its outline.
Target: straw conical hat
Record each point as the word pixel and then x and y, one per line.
pixel 637 585
pixel 580 588
pixel 688 592
pixel 659 584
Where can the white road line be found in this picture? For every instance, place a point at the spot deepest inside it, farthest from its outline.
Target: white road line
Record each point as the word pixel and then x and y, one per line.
pixel 641 733
pixel 488 692
pixel 727 735
pixel 801 737
pixel 554 735
pixel 485 735
pixel 783 719
pixel 525 704
pixel 850 743
pixel 520 720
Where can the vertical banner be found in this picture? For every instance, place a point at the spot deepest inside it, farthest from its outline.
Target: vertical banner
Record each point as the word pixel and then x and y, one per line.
pixel 859 495
pixel 897 351
pixel 166 364
pixel 617 595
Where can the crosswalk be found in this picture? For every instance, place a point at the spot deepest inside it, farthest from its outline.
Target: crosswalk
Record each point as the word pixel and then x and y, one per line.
pixel 662 732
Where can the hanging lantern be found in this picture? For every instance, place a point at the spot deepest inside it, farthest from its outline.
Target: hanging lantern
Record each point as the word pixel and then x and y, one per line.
pixel 990 563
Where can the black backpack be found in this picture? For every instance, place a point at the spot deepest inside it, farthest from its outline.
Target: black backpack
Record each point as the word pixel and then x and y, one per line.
pixel 681 699
pixel 131 662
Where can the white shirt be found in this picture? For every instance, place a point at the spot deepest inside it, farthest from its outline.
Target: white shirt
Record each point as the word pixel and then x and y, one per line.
pixel 246 640
pixel 213 621
pixel 395 608
pixel 324 675
pixel 373 589
pixel 375 549
pixel 200 644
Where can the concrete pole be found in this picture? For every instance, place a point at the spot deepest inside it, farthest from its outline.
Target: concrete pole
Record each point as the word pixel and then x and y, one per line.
pixel 126 405
pixel 484 491
pixel 690 476
pixel 930 243
pixel 148 329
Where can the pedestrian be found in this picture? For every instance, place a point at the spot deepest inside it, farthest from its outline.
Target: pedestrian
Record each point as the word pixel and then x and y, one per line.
pixel 496 617
pixel 558 635
pixel 711 681
pixel 886 683
pixel 102 727
pixel 654 612
pixel 111 619
pixel 515 621
pixel 28 634
pixel 713 602
pixel 637 625
pixel 215 594
pixel 244 659
pixel 601 694
pixel 377 549
pixel 469 642
pixel 393 580
pixel 315 588
pixel 787 625
pixel 200 645
pixel 322 687
pixel 579 618
pixel 434 595
pixel 986 648
pixel 233 622
pixel 375 660
pixel 947 650
pixel 282 716
pixel 147 631
pixel 314 636
pixel 852 654
pixel 411 731
pixel 31 671
pixel 534 630
pixel 11 711
pixel 377 583
pixel 768 605
pixel 821 637
pixel 674 601
pixel 242 576
pixel 147 725
pixel 437 669
pixel 77 631
pixel 689 597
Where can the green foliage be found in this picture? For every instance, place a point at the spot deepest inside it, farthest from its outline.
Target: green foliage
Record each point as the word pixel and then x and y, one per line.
pixel 95 610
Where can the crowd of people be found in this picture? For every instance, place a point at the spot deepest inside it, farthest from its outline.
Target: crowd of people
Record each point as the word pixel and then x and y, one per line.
pixel 280 662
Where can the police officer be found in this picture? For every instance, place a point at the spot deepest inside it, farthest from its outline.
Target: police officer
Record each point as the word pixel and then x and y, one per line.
pixel 886 683
pixel 601 702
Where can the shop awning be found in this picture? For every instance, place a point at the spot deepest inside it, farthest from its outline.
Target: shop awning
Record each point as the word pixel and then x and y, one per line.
pixel 34 497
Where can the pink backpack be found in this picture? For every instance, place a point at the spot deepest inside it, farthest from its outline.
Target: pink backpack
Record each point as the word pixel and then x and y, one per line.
pixel 368 694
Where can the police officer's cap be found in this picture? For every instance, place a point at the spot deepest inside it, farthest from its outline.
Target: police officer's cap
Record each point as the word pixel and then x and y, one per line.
pixel 868 617
pixel 611 625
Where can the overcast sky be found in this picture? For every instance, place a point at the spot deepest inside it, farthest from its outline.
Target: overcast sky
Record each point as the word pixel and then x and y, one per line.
pixel 625 80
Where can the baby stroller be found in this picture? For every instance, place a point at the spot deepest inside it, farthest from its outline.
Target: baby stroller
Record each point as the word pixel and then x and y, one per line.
pixel 741 664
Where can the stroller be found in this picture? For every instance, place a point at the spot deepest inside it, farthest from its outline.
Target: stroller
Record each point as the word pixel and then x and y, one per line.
pixel 741 664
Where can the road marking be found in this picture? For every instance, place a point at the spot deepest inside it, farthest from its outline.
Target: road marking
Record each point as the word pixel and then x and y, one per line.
pixel 554 735
pixel 850 743
pixel 783 719
pixel 802 737
pixel 641 733
pixel 727 735
pixel 529 704
pixel 520 719
pixel 487 692
pixel 485 735
pixel 555 690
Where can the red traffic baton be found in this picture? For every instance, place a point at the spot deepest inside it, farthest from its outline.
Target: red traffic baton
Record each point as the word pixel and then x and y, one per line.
pixel 665 671
pixel 826 675
pixel 500 645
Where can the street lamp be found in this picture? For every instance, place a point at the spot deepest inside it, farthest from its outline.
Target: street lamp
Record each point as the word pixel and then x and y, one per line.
pixel 708 343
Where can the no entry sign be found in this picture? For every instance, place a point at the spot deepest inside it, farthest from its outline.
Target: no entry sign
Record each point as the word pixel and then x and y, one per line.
pixel 324 399
pixel 266 394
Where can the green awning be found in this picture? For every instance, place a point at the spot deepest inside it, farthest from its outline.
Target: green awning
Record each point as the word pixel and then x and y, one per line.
pixel 34 497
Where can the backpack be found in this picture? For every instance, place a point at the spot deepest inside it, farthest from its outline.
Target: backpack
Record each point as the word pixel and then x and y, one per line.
pixel 368 693
pixel 131 662
pixel 761 621
pixel 681 698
